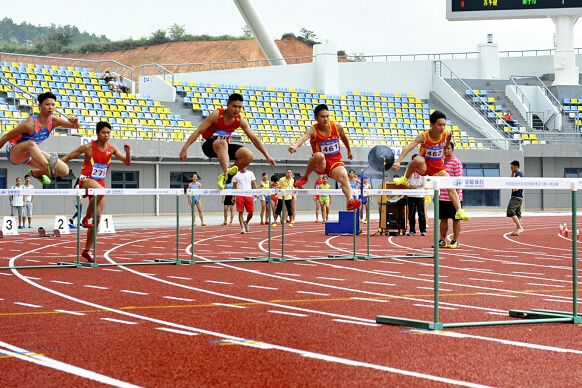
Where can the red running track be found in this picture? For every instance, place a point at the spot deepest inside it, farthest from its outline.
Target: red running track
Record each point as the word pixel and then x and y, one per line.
pixel 304 323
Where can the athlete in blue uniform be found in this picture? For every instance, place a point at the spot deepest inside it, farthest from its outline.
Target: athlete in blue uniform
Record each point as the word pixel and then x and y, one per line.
pixel 24 139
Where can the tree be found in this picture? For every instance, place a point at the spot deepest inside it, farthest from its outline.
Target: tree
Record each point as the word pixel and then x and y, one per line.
pixel 247 33
pixel 55 42
pixel 308 37
pixel 158 37
pixel 176 32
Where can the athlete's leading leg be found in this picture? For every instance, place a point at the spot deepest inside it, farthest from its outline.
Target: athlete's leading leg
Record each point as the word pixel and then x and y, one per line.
pixel 315 163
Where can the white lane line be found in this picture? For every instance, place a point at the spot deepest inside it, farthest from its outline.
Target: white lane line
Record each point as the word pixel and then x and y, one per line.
pixel 287 313
pixel 111 269
pixel 563 301
pixel 307 264
pixel 179 277
pixel 312 293
pixel 356 322
pixel 324 278
pixel 432 288
pixel 544 285
pixel 229 305
pixel 370 299
pixel 5 274
pixel 217 282
pixel 60 282
pixel 97 287
pixel 69 312
pixel 492 294
pixel 135 292
pixel 119 321
pixel 23 355
pixel 432 306
pixel 30 277
pixel 28 305
pixel 176 331
pixel 496 313
pixel 382 284
pixel 528 273
pixel 286 274
pixel 176 298
pixel 210 266
pixel 264 288
pixel 32 260
pixel 487 280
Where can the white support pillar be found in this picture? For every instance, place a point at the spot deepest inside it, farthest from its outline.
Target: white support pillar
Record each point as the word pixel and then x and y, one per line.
pixel 253 21
pixel 564 59
pixel 327 67
pixel 489 60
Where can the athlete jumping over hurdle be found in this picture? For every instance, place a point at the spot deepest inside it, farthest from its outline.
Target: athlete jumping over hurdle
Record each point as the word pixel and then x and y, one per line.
pixel 98 155
pixel 432 143
pixel 216 130
pixel 24 139
pixel 325 137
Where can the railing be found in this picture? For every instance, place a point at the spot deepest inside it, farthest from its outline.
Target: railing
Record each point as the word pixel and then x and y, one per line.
pixel 536 81
pixel 94 66
pixel 479 103
pixel 209 66
pixel 155 69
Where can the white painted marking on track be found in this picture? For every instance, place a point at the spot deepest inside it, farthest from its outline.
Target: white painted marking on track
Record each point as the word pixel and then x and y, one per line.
pixel 356 322
pixel 23 355
pixel 28 305
pixel 496 313
pixel 312 293
pixel 212 266
pixel 487 280
pixel 135 292
pixel 287 313
pixel 432 306
pixel 32 260
pixel 492 294
pixel 380 283
pixel 528 273
pixel 119 321
pixel 176 298
pixel 216 282
pixel 69 312
pixel 97 287
pixel 176 331
pixel 264 288
pixel 286 274
pixel 229 305
pixel 306 264
pixel 30 277
pixel 5 274
pixel 563 301
pixel 179 277
pixel 544 285
pixel 60 282
pixel 370 299
pixel 432 288
pixel 324 278
pixel 111 269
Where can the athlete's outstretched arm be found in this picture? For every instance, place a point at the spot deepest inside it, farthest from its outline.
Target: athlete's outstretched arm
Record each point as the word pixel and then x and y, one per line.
pixel 413 144
pixel 69 122
pixel 309 134
pixel 255 140
pixel 125 159
pixel 210 120
pixel 345 140
pixel 73 154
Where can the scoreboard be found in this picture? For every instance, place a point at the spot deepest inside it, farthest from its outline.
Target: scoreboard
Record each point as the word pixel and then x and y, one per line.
pixel 511 9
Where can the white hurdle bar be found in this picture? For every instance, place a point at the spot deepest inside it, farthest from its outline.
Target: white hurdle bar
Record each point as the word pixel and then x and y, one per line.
pixel 50 192
pixel 122 192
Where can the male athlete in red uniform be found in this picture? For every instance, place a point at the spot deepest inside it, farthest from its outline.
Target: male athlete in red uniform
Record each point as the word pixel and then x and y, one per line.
pixel 216 130
pixel 95 166
pixel 432 142
pixel 327 158
pixel 24 139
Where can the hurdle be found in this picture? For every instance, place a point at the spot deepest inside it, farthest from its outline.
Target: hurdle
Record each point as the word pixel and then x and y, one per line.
pixel 531 316
pixel 116 192
pixel 48 192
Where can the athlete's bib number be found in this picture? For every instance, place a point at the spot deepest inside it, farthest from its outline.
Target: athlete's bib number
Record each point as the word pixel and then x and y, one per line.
pixel 330 147
pixel 99 171
pixel 222 135
pixel 434 152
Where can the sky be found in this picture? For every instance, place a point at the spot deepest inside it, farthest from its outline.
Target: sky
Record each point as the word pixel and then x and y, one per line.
pixel 371 27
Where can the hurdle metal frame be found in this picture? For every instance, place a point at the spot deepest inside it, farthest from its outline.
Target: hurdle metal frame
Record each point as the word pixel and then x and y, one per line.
pixel 48 192
pixel 532 316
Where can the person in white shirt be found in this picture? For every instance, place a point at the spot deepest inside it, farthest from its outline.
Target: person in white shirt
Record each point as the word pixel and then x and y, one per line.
pixel 416 204
pixel 27 202
pixel 17 203
pixel 244 180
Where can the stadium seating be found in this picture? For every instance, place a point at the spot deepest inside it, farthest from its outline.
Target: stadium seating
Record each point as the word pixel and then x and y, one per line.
pixel 280 115
pixel 84 94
